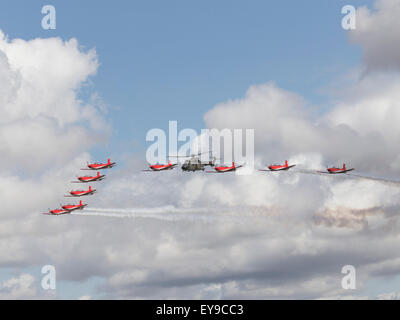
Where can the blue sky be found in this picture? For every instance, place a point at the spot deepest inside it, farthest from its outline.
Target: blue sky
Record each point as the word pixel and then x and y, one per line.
pixel 175 60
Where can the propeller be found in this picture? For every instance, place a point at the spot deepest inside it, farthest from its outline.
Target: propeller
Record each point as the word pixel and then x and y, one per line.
pixel 197 154
pixel 181 156
pixel 188 156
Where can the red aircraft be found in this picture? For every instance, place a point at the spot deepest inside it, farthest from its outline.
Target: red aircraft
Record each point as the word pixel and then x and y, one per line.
pixel 87 179
pixel 334 170
pixel 57 212
pixel 162 167
pixel 81 193
pixel 221 169
pixel 73 207
pixel 100 166
pixel 278 167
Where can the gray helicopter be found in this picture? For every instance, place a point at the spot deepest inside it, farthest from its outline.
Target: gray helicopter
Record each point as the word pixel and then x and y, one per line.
pixel 194 163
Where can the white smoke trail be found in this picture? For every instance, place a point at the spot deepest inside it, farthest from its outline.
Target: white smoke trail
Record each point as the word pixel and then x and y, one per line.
pixel 351 176
pixel 165 217
pixel 164 209
pixel 382 180
pixel 171 213
pixel 168 213
pixel 319 173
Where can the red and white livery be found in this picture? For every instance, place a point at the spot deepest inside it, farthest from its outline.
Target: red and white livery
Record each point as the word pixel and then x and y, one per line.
pixel 279 167
pixel 81 193
pixel 222 169
pixel 57 212
pixel 86 179
pixel 335 170
pixel 73 207
pixel 162 167
pixel 100 166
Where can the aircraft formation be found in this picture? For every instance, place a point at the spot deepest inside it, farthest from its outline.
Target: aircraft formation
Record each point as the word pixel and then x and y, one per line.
pixel 68 208
pixel 192 164
pixel 195 164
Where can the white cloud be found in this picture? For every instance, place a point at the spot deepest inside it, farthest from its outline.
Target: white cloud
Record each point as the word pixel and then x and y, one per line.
pixel 377 32
pixel 22 287
pixel 42 119
pixel 45 128
pixel 389 296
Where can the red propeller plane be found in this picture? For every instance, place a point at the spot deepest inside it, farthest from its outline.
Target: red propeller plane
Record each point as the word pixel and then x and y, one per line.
pixel 100 166
pixel 73 207
pixel 68 208
pixel 335 170
pixel 222 169
pixel 278 167
pixel 57 212
pixel 81 193
pixel 162 167
pixel 87 179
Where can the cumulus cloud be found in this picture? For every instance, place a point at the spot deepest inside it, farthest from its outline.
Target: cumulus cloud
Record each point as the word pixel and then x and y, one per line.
pixel 45 128
pixel 360 129
pixel 377 32
pixel 22 287
pixel 45 133
pixel 42 119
